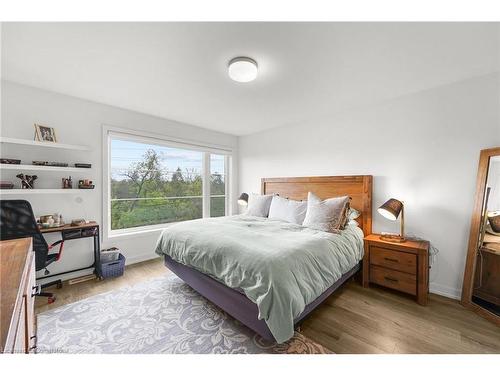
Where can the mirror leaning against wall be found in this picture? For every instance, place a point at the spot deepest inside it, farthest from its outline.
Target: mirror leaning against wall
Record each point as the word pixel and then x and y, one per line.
pixel 481 287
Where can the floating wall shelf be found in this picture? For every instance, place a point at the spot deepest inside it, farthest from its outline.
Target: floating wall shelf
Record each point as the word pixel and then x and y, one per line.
pixel 43 191
pixel 27 142
pixel 27 167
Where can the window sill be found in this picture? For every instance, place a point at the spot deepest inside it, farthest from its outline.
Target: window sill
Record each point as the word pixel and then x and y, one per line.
pixel 137 231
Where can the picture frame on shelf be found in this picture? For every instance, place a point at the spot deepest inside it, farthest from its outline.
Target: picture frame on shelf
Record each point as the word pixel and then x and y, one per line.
pixel 45 133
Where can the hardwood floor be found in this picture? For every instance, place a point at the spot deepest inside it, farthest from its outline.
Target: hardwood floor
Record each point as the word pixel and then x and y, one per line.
pixel 375 320
pixel 353 320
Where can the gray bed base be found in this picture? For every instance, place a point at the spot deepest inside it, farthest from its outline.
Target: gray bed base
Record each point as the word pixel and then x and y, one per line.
pixel 235 303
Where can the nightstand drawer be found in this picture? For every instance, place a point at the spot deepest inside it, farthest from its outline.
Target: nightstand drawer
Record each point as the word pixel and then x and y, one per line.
pixel 394 279
pixel 395 260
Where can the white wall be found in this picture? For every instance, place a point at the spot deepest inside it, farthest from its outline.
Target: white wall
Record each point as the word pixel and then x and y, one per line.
pixel 421 148
pixel 80 122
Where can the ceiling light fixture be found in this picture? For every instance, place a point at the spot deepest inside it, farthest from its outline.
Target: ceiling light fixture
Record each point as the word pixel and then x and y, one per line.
pixel 242 69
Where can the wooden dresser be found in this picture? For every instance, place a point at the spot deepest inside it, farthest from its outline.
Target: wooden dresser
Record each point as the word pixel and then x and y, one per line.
pixel 17 296
pixel 400 266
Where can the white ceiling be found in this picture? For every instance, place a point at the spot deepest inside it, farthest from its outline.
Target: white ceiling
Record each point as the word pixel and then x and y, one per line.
pixel 179 70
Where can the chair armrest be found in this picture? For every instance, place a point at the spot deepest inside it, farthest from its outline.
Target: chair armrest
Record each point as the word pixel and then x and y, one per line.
pixel 56 243
pixel 61 245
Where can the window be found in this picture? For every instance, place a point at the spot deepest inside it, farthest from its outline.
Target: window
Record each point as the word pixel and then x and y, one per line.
pixel 153 182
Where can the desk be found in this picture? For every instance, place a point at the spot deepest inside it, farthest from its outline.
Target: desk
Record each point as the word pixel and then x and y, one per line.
pixel 75 232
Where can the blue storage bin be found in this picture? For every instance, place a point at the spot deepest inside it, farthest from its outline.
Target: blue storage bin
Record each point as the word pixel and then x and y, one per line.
pixel 114 268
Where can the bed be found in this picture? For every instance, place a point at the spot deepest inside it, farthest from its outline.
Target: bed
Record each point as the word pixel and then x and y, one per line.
pixel 271 274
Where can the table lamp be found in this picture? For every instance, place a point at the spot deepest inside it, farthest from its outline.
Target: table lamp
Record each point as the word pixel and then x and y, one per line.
pixel 391 210
pixel 243 199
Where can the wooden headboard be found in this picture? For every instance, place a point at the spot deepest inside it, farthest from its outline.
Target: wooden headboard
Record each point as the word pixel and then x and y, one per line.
pixel 359 188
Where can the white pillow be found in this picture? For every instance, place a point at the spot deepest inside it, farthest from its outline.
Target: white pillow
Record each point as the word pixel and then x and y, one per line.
pixel 287 210
pixel 258 205
pixel 329 215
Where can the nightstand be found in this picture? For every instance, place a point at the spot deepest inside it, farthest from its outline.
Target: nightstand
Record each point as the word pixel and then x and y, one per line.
pixel 402 266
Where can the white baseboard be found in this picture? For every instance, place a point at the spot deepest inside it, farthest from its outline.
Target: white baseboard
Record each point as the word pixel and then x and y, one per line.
pixel 445 291
pixel 141 258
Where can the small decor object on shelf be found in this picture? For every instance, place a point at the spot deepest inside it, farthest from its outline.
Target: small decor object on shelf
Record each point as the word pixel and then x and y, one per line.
pixel 67 183
pixel 58 220
pixel 57 164
pixel 85 184
pixel 51 221
pixel 39 162
pixel 45 133
pixel 10 161
pixel 6 185
pixel 77 222
pixel 83 165
pixel 27 181
pixel 47 221
pixel 49 163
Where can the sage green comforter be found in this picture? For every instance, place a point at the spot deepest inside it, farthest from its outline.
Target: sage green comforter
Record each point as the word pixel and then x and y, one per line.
pixel 280 266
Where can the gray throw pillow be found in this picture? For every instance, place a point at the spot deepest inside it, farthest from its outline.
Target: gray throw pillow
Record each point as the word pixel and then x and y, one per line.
pixel 329 215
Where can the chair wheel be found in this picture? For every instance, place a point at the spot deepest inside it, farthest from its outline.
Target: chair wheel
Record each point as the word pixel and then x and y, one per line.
pixel 51 300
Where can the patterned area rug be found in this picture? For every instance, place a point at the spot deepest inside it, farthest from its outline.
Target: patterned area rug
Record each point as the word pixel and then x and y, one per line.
pixel 159 316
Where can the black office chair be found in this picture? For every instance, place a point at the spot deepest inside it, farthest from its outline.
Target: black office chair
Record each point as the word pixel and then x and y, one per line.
pixel 17 221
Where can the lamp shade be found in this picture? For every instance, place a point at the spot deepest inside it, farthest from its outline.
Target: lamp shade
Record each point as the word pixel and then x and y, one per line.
pixel 391 209
pixel 243 199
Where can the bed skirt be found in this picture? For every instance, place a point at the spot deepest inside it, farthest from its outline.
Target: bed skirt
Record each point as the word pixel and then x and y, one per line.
pixel 235 303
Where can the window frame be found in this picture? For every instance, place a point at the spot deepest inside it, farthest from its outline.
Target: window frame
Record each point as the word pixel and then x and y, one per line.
pixel 208 167
pixel 111 132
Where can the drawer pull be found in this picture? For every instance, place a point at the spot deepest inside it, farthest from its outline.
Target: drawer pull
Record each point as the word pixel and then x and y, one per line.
pixel 391 279
pixel 35 290
pixel 391 260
